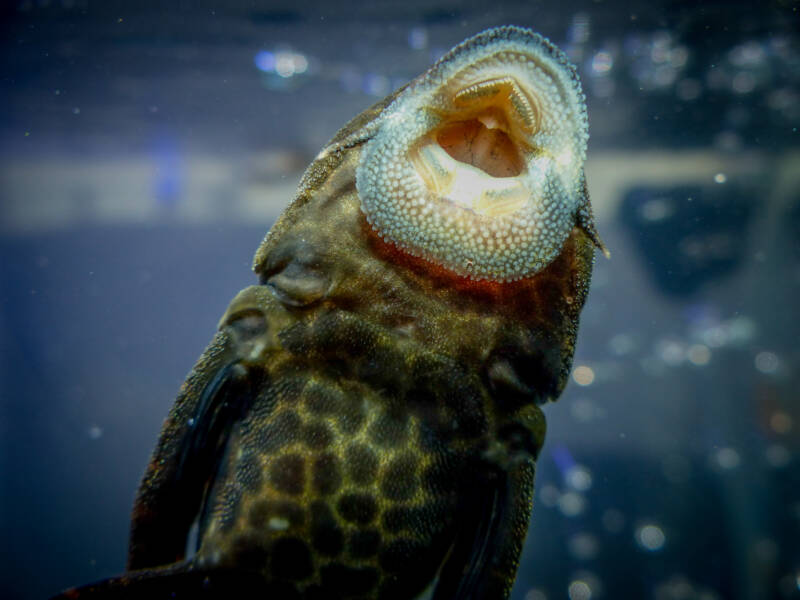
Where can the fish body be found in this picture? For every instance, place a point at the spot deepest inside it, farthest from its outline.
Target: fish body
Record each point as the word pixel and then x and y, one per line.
pixel 366 421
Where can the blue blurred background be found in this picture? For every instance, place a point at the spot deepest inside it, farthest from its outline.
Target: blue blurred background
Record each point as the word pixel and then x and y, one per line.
pixel 146 147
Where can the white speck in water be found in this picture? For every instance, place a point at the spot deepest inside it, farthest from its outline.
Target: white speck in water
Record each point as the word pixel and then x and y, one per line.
pixel 780 422
pixel 376 85
pixel 767 362
pixel 622 344
pixel 579 30
pixel 656 209
pixel 720 178
pixel 579 590
pixel 418 38
pixel 743 82
pixel 741 330
pixel 650 537
pixel 583 546
pixel 571 504
pixel 602 63
pixel 716 336
pixel 727 458
pixel 579 478
pixel 671 352
pixel 583 375
pixel 699 355
pixel 777 456
pixel 95 432
pixel 789 584
pixel 548 495
pixel 584 410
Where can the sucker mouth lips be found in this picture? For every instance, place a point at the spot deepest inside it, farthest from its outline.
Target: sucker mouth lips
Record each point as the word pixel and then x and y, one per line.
pixel 477 156
pixel 477 166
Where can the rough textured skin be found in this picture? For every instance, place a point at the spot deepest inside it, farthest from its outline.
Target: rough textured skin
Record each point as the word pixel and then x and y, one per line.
pixel 365 423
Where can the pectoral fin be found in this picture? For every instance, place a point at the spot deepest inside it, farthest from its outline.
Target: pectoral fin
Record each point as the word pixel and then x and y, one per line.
pixel 176 486
pixel 177 582
pixel 484 558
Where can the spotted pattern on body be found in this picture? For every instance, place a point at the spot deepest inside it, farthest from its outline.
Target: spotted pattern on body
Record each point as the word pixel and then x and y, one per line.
pixel 365 423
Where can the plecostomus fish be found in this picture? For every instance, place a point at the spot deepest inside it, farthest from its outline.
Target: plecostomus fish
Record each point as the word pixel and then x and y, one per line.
pixel 366 421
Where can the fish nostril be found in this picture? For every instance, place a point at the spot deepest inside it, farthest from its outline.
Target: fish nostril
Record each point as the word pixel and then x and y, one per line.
pixel 248 323
pixel 299 285
pixel 296 275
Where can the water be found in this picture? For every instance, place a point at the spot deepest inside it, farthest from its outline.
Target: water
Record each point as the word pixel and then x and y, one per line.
pixel 145 150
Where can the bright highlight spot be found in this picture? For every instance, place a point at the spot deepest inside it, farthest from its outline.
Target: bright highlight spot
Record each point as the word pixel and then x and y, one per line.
pixel 777 456
pixel 583 375
pixel 571 504
pixel 728 458
pixel 699 355
pixel 418 38
pixel 602 62
pixel 278 524
pixel 265 61
pixel 583 546
pixel 650 537
pixel 671 352
pixel 285 63
pixel 579 478
pixel 766 362
pixel 579 590
pixel 549 495
pixel 720 178
pixel 656 209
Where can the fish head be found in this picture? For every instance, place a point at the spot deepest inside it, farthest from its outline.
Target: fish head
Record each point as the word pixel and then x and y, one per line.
pixel 477 166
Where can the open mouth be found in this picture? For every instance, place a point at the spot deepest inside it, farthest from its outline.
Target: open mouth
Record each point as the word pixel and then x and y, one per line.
pixel 476 157
pixel 477 142
pixel 478 165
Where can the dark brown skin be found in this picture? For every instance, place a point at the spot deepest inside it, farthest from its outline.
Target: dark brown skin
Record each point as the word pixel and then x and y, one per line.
pixel 365 424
